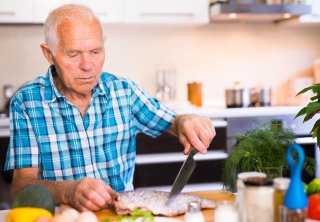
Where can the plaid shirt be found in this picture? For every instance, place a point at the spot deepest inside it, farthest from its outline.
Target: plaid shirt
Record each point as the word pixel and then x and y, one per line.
pixel 48 132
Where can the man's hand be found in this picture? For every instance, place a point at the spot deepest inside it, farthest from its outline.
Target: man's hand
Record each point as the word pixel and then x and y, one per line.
pixel 86 194
pixel 89 194
pixel 192 130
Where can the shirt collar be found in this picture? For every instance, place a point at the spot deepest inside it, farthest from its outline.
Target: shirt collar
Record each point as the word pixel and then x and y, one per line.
pixel 56 95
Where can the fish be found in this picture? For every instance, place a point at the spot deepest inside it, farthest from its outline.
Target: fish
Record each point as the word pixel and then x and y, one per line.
pixel 156 202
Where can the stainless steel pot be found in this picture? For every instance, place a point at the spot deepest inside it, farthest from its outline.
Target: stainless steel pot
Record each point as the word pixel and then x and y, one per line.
pixel 234 98
pixel 260 96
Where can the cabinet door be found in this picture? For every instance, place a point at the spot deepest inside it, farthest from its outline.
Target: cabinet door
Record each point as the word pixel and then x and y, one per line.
pixel 107 10
pixel 41 8
pixel 314 17
pixel 15 11
pixel 166 11
pixel 315 4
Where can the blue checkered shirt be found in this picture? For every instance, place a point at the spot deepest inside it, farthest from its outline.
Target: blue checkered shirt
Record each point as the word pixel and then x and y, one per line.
pixel 48 132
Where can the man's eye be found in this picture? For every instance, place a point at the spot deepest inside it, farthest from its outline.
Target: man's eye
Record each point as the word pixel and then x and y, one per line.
pixel 73 55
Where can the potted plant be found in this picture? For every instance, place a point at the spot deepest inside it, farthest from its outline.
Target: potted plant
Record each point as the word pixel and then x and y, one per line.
pixel 261 149
pixel 311 109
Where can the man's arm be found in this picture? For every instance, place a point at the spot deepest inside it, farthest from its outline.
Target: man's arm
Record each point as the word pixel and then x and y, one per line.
pixel 86 194
pixel 192 130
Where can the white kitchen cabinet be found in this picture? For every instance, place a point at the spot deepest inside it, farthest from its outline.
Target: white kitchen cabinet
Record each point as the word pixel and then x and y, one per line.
pixel 166 11
pixel 41 8
pixel 314 17
pixel 108 11
pixel 15 11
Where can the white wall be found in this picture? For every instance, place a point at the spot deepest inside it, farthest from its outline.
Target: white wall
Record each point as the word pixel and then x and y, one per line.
pixel 216 55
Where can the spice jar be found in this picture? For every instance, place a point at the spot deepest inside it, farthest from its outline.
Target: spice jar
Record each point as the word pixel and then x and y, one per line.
pixel 280 185
pixel 194 213
pixel 226 211
pixel 258 198
pixel 240 190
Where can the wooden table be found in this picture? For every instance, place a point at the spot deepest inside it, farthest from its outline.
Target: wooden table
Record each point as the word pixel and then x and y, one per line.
pixel 208 214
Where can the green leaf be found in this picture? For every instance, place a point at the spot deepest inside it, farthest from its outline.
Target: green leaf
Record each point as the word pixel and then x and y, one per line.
pixel 301 112
pixel 305 90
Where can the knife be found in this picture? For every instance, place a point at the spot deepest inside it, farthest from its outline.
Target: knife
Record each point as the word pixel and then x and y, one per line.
pixel 183 175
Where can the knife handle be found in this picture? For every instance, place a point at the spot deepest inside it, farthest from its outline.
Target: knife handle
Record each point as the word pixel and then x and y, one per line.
pixel 193 152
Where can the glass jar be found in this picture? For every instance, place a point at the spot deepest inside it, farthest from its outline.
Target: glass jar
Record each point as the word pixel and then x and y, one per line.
pixel 240 190
pixel 258 198
pixel 194 213
pixel 226 211
pixel 280 185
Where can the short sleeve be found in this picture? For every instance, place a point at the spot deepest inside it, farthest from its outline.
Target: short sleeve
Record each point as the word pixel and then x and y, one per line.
pixel 23 149
pixel 150 116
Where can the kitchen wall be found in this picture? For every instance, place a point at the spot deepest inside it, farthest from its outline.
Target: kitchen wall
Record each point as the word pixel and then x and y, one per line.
pixel 215 54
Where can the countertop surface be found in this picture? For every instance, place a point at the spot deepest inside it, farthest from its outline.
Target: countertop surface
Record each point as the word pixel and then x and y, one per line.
pixel 240 112
pixel 208 214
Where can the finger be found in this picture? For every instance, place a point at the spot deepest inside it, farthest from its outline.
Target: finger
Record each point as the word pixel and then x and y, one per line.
pixel 185 142
pixel 94 196
pixel 88 205
pixel 196 142
pixel 106 192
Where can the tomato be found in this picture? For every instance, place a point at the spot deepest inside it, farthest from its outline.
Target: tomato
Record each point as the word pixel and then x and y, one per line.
pixel 314 206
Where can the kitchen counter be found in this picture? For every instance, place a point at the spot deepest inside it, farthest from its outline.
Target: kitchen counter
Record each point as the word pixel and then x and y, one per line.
pixel 223 112
pixel 240 112
pixel 208 214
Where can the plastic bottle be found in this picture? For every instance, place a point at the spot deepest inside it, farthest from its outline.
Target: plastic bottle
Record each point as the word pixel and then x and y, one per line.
pixel 295 202
pixel 194 213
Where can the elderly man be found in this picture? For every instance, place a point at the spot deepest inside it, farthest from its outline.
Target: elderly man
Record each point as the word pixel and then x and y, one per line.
pixel 73 129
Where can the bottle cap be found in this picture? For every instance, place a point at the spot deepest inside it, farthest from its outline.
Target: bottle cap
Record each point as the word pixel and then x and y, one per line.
pixel 194 207
pixel 281 183
pixel 258 181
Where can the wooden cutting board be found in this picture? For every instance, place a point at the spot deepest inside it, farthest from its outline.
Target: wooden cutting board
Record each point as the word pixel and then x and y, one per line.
pixel 208 214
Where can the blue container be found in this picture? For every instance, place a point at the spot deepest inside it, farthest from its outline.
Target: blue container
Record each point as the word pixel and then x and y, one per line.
pixel 296 197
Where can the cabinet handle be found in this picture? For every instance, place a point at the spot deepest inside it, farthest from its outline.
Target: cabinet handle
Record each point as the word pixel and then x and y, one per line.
pixel 178 157
pixel 306 140
pixel 7 13
pixel 164 14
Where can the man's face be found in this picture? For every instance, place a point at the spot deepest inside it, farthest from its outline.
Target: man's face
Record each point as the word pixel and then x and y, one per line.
pixel 79 56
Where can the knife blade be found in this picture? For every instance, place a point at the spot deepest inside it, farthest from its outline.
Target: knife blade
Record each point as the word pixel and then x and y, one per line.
pixel 183 176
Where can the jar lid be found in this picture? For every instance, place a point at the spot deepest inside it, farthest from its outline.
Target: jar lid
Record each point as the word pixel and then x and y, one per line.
pixel 281 183
pixel 258 181
pixel 194 206
pixel 246 175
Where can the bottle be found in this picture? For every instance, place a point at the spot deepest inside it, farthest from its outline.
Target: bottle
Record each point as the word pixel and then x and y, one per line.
pixel 194 213
pixel 295 201
pixel 258 198
pixel 280 185
pixel 226 211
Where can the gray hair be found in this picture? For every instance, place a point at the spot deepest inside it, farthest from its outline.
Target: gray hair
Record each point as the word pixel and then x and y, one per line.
pixel 70 12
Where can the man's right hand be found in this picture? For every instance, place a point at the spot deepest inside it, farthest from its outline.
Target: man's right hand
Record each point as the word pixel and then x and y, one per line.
pixel 89 194
pixel 85 194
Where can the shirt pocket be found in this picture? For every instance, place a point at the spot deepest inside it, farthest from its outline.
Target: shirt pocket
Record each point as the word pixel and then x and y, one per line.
pixel 55 157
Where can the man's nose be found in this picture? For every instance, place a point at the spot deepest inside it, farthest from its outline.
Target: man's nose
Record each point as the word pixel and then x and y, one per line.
pixel 85 62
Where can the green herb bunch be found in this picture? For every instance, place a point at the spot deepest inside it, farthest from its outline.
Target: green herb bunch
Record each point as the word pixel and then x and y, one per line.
pixel 137 216
pixel 312 109
pixel 261 149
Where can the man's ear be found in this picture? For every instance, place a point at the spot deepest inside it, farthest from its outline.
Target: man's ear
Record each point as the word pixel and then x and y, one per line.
pixel 47 53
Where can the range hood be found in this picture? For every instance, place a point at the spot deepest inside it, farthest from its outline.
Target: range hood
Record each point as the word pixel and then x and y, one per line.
pixel 256 12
